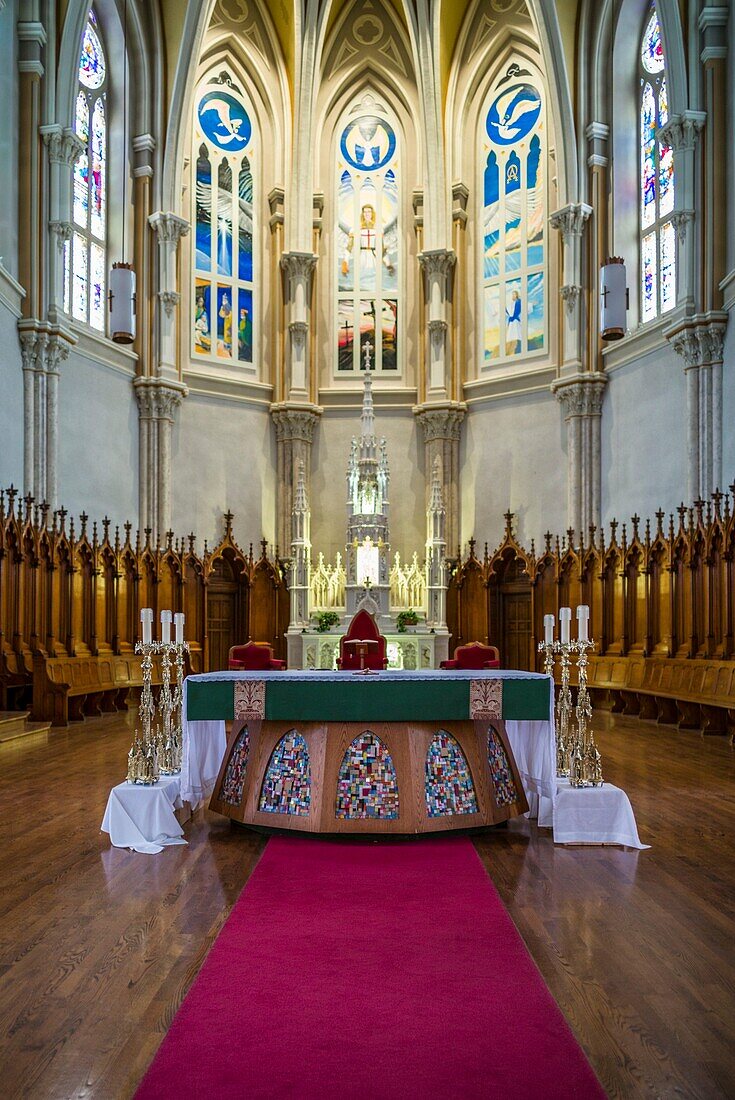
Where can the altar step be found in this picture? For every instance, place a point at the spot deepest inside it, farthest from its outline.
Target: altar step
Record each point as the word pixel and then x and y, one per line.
pixel 14 724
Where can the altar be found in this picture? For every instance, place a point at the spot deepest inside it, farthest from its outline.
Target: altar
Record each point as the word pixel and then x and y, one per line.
pixel 390 752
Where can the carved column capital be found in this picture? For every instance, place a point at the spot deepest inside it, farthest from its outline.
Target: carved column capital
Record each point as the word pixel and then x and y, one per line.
pixel 680 220
pixel 581 396
pixel 570 296
pixel 295 421
pixel 62 231
pixel 169 227
pixel 570 220
pixel 169 300
pixel 681 131
pixel 438 261
pixel 158 399
pixel 699 339
pixel 64 146
pixel 440 422
pixel 299 265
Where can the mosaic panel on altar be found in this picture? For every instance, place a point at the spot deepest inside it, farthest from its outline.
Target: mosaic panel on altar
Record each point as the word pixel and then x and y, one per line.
pixel 449 786
pixel 500 772
pixel 367 786
pixel 234 779
pixel 287 784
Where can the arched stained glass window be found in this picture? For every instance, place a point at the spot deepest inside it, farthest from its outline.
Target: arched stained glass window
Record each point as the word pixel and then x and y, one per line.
pixel 224 267
pixel 657 234
pixel 513 143
pixel 367 240
pixel 85 255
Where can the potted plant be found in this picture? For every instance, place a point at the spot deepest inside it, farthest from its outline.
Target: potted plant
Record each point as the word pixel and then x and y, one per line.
pixel 325 620
pixel 405 619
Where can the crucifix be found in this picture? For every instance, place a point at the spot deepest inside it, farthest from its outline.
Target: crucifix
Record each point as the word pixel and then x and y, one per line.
pixel 367 349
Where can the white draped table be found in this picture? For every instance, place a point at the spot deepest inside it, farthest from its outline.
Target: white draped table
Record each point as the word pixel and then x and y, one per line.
pixel 142 817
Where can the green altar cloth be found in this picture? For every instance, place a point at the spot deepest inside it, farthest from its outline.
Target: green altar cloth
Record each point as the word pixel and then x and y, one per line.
pixel 383 697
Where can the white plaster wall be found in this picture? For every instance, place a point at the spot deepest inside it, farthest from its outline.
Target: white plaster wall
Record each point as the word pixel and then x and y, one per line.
pixel 98 441
pixel 513 457
pixel 8 138
pixel 11 402
pixel 223 457
pixel 644 462
pixel 407 516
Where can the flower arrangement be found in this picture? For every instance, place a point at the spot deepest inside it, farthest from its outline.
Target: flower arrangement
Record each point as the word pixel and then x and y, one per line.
pixel 406 618
pixel 325 620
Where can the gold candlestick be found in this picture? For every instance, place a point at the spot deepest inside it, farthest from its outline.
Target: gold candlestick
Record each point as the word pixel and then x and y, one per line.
pixel 585 759
pixel 166 736
pixel 180 651
pixel 143 755
pixel 563 712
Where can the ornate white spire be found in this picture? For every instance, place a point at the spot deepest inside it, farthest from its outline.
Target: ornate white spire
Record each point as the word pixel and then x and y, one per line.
pixel 300 502
pixel 436 496
pixel 368 442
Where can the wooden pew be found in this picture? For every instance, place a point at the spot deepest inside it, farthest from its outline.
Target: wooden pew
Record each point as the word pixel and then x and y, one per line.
pixel 697 694
pixel 71 688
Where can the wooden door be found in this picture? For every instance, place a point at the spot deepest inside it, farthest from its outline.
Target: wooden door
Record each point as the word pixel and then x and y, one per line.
pixel 221 617
pixel 516 612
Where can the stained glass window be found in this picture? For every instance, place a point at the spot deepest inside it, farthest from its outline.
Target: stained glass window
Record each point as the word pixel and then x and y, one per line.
pixel 85 255
pixel 513 161
pixel 657 236
pixel 367 244
pixel 224 268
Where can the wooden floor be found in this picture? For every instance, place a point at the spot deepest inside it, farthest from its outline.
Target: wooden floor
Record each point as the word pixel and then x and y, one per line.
pixel 98 946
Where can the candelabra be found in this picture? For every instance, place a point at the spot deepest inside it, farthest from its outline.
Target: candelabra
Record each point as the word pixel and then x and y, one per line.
pixel 168 741
pixel 585 761
pixel 180 651
pixel 143 755
pixel 563 704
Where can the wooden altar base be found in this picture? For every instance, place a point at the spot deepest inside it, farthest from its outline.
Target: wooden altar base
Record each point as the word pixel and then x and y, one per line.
pixel 407 744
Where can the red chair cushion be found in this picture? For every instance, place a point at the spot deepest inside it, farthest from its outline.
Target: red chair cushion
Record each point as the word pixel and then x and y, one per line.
pixel 474 655
pixel 255 656
pixel 362 627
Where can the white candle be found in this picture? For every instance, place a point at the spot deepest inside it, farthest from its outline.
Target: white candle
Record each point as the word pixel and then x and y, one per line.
pixel 166 627
pixel 146 618
pixel 548 629
pixel 565 618
pixel 583 618
pixel 179 624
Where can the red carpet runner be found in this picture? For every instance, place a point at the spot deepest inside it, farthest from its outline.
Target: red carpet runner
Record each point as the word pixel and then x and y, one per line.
pixel 369 971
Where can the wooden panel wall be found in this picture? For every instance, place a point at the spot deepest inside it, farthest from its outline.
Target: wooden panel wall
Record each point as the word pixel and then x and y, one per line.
pixel 654 590
pixel 66 590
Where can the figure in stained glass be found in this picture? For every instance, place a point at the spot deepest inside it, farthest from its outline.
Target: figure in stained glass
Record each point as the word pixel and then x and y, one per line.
pixel 657 182
pixel 367 244
pixel 514 222
pixel 223 245
pixel 85 258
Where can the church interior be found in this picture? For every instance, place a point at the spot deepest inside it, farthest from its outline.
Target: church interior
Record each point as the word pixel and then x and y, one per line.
pixel 438 539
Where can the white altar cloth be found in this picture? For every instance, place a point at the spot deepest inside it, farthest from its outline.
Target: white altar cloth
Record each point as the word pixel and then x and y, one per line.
pixel 594 815
pixel 142 817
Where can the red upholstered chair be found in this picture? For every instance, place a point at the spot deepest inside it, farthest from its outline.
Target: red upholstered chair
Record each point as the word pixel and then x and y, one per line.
pixel 474 655
pixel 362 628
pixel 254 657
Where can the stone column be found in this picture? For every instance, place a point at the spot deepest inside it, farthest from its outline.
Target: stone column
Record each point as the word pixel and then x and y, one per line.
pixel 581 401
pixel 681 132
pixel 699 340
pixel 28 358
pixel 31 37
pixel 277 366
pixel 169 229
pixel 57 352
pixel 299 267
pixel 441 425
pixel 158 400
pixel 63 146
pixel 39 418
pixel 294 426
pixel 597 134
pixel 460 197
pixel 437 265
pixel 570 221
